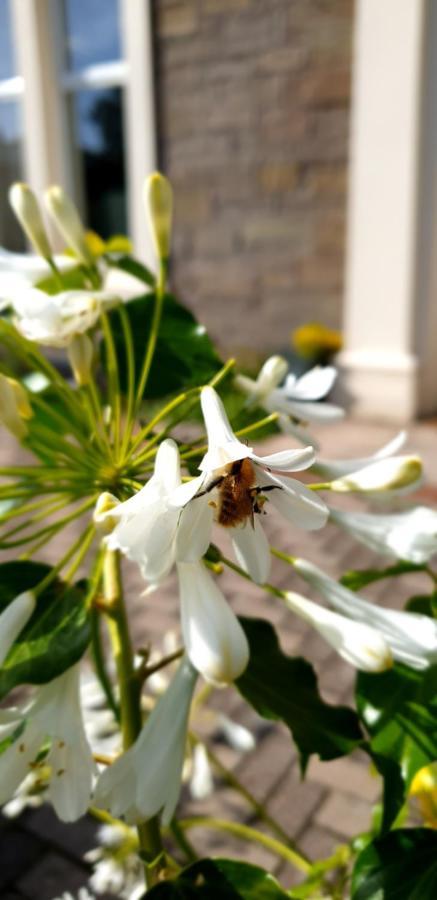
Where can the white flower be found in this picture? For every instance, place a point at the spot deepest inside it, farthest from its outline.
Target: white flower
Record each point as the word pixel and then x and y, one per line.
pixel 201 780
pixel 237 736
pixel 146 780
pixel 13 619
pixel 19 271
pixel 398 473
pixel 335 468
pixel 65 215
pixel 54 320
pixel 54 714
pixel 298 399
pixel 411 637
pixel 213 637
pixel 409 535
pixel 14 406
pixel 294 501
pixel 359 644
pixel 26 208
pixel 152 528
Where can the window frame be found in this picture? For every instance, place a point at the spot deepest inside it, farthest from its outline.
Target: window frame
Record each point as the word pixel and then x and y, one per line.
pixel 43 86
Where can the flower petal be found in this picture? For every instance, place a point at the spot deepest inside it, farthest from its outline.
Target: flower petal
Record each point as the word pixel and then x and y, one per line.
pixel 252 550
pixel 223 446
pixel 286 460
pixel 360 645
pixel 193 535
pixel 214 639
pixel 411 636
pixel 335 468
pixel 409 535
pixel 313 385
pixel 398 473
pixel 296 502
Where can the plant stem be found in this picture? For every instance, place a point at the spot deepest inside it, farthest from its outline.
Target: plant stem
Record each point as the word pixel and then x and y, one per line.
pixel 154 329
pixel 131 723
pixel 246 833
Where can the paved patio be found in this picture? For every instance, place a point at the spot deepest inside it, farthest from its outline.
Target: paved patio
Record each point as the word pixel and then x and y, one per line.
pixel 40 857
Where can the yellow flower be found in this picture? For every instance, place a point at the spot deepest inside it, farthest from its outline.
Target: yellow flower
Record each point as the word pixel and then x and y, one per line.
pixel 424 787
pixel 314 340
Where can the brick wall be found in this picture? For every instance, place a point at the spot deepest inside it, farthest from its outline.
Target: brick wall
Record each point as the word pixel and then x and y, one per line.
pixel 253 109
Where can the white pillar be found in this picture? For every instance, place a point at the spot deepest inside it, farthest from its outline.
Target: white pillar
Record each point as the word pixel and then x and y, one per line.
pixel 390 358
pixel 139 118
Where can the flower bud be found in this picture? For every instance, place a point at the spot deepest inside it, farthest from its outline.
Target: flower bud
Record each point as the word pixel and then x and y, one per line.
pixel 26 208
pixel 66 217
pixel 101 515
pixel 80 354
pixel 159 205
pixel 392 474
pixel 14 406
pixel 13 619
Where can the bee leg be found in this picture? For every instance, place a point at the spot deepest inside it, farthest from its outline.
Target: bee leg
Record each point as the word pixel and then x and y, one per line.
pixel 210 487
pixel 268 487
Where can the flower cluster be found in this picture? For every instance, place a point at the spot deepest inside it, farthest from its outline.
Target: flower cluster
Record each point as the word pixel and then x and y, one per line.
pixel 103 449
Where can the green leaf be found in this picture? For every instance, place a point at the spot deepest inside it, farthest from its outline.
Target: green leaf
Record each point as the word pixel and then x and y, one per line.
pixel 285 688
pixel 184 355
pixel 399 710
pixel 359 578
pixel 220 879
pixel 400 866
pixel 57 633
pixel 426 604
pixel 132 267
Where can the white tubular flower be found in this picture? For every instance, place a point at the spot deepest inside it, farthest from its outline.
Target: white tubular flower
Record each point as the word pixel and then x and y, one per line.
pixel 237 736
pixel 213 637
pixel 54 320
pixel 360 645
pixel 399 473
pixel 146 780
pixel 336 468
pixel 54 714
pixel 67 219
pixel 291 498
pixel 153 529
pixel 298 399
pixel 20 271
pixel 27 211
pixel 13 619
pixel 411 637
pixel 14 406
pixel 201 780
pixel 409 535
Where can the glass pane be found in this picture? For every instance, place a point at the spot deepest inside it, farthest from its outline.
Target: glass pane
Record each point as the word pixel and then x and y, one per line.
pixel 11 235
pixel 7 61
pixel 92 32
pixel 98 136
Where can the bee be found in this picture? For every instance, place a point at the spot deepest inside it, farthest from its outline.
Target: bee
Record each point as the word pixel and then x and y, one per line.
pixel 238 494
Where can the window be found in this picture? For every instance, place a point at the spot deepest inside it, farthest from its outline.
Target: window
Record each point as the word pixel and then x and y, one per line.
pixel 81 103
pixel 11 89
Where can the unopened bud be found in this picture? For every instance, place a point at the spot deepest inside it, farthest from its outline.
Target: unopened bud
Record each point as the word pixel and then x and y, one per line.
pixel 393 474
pixel 101 515
pixel 159 205
pixel 80 354
pixel 14 406
pixel 26 208
pixel 67 219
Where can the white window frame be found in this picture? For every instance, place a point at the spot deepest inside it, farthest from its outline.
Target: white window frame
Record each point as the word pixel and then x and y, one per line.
pixel 42 85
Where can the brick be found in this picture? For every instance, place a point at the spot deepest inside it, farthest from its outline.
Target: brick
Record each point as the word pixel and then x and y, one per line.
pixel 178 20
pixel 345 814
pixel 20 850
pixel 326 86
pixel 53 874
pixel 294 802
pixel 346 776
pixel 278 177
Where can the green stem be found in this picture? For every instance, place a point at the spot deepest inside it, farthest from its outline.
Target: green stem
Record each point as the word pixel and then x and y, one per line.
pixel 113 379
pixel 183 842
pixel 98 655
pixel 131 722
pixel 154 329
pixel 246 833
pixel 130 368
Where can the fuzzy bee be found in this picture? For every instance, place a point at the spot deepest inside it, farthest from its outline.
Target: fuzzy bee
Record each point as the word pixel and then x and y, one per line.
pixel 239 497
